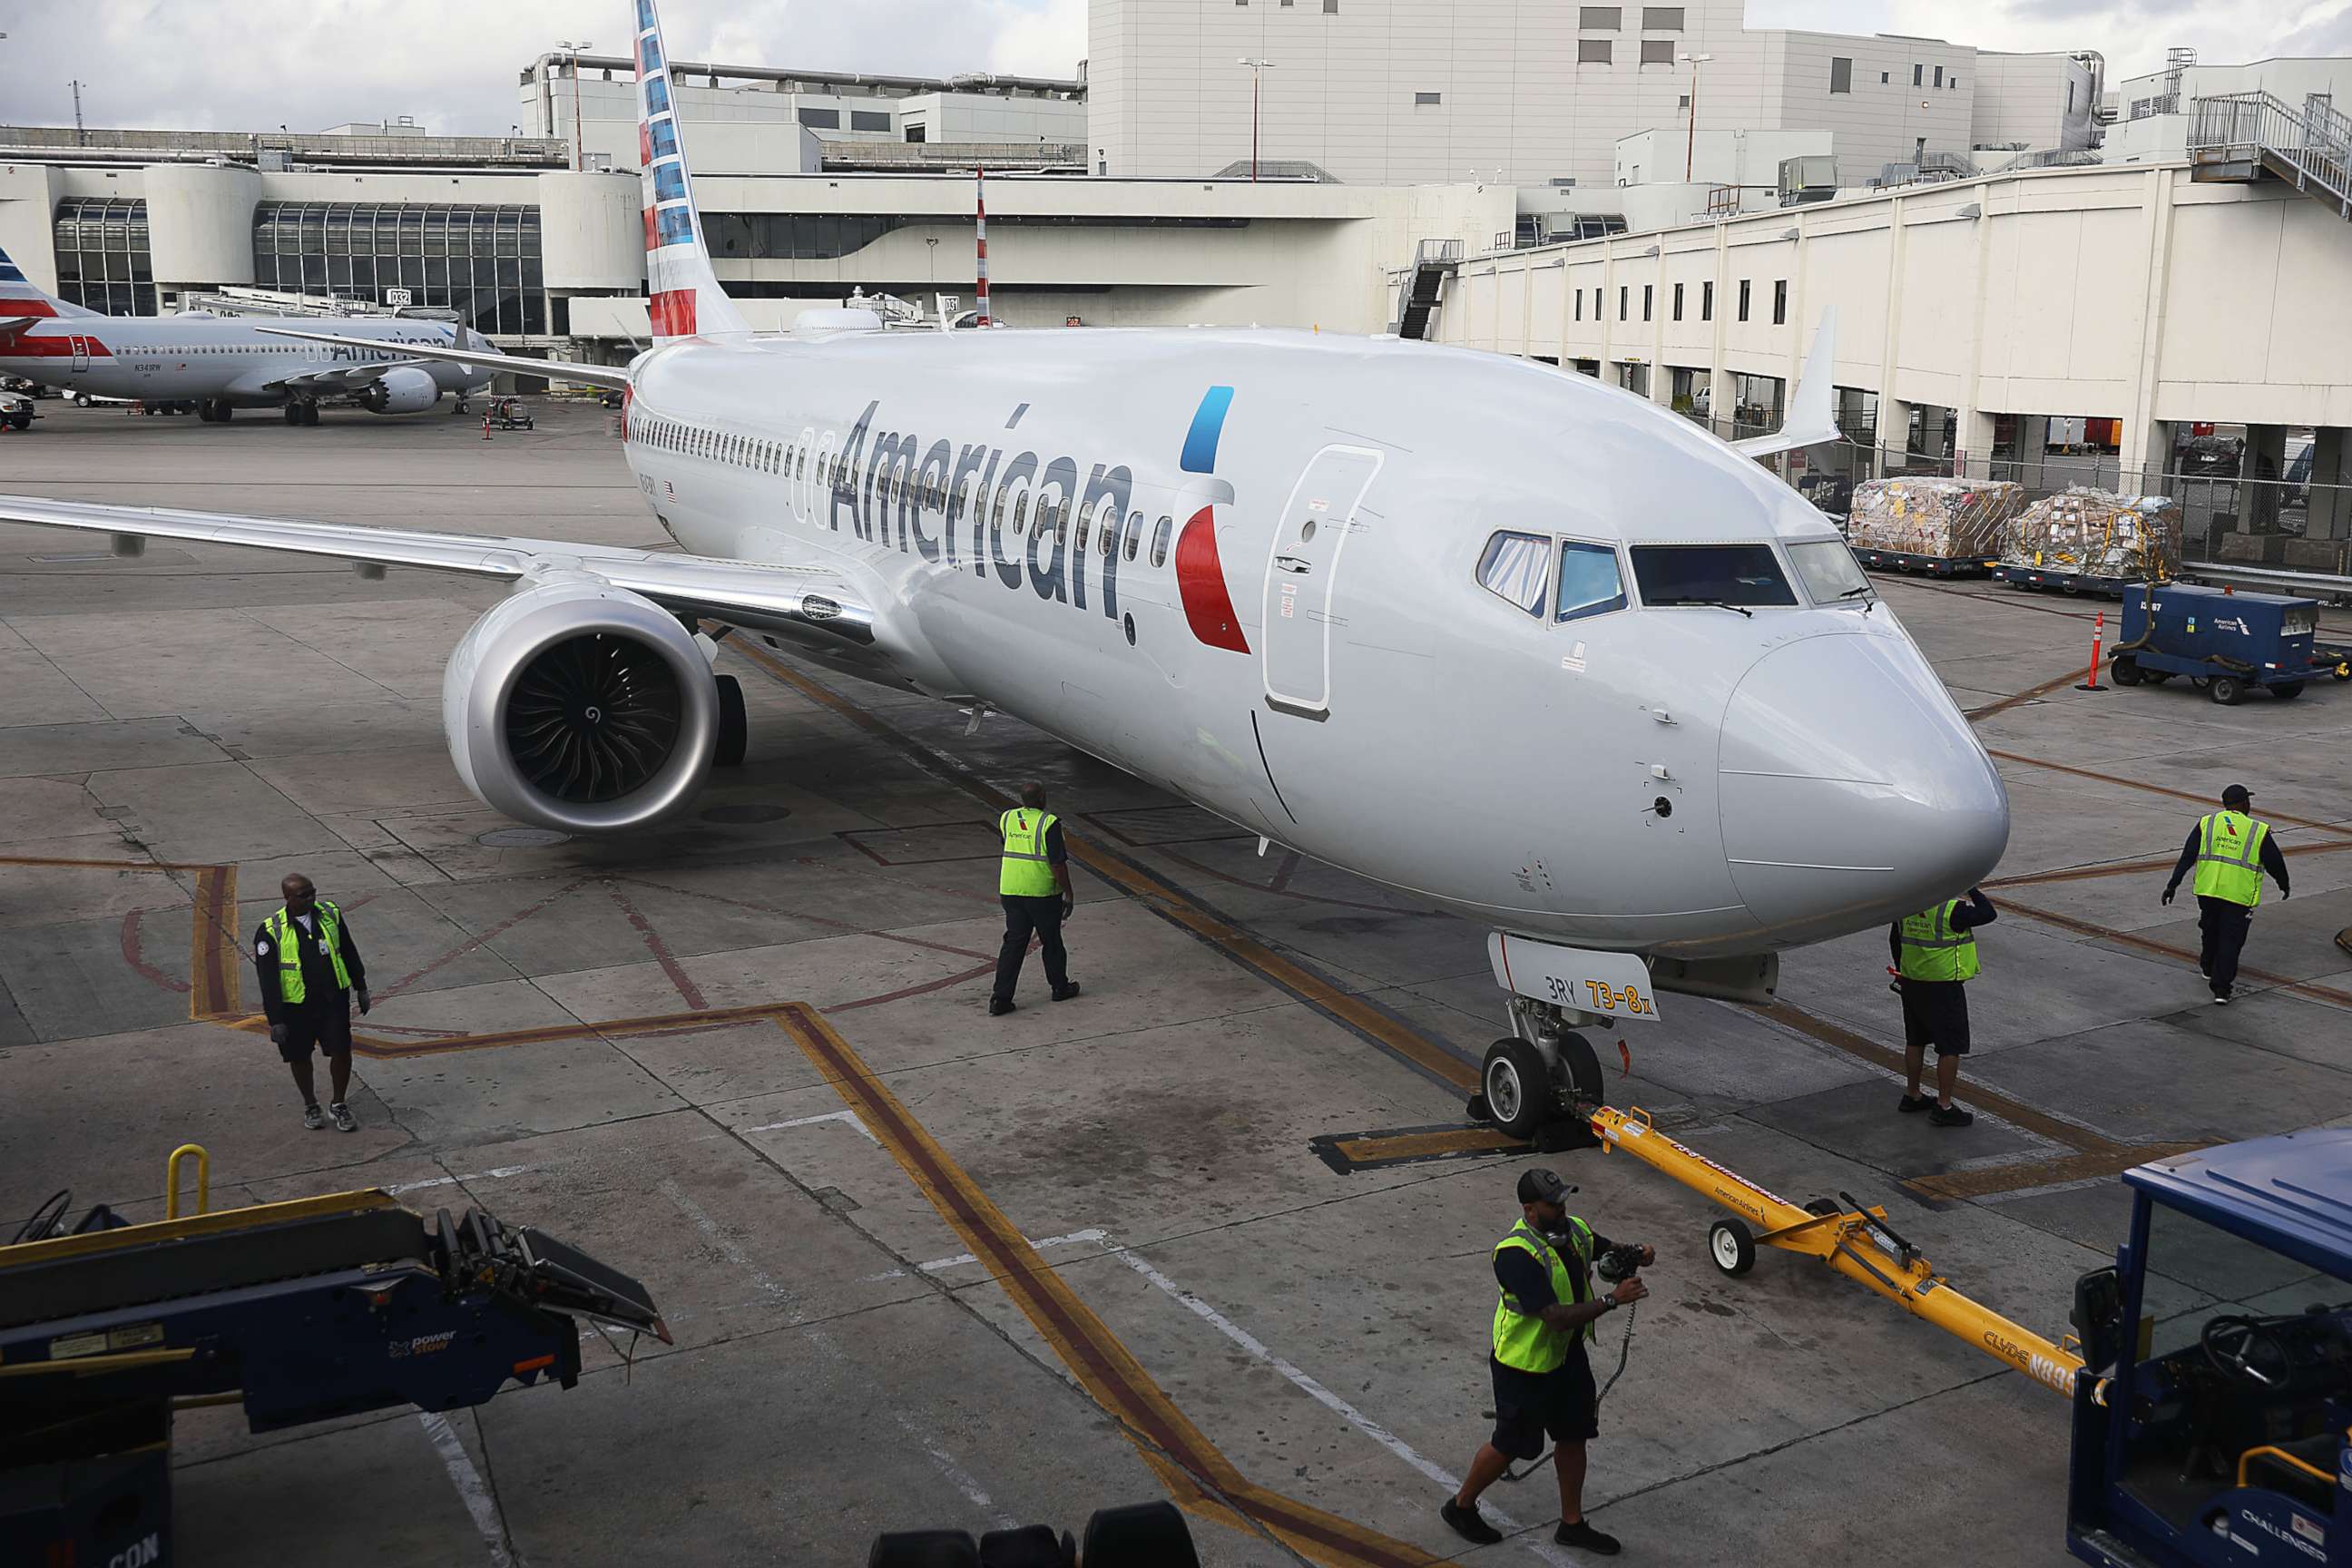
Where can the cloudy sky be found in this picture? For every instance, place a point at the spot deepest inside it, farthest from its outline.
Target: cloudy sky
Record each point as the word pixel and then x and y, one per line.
pixel 254 64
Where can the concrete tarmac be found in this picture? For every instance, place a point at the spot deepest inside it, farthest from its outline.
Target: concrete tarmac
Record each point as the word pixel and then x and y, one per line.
pixel 926 1268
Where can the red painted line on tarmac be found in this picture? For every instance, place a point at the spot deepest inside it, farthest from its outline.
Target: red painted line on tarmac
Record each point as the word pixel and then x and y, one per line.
pixel 942 983
pixel 687 990
pixel 470 944
pixel 148 972
pixel 1283 872
pixel 849 928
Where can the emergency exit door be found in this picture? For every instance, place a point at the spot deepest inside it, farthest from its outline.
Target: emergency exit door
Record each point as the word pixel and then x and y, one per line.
pixel 80 352
pixel 1302 576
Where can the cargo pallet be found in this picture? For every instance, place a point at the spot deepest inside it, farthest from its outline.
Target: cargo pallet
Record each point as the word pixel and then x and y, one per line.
pixel 1934 566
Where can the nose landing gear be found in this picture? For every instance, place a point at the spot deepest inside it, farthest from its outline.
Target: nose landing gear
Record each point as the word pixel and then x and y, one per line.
pixel 1542 1082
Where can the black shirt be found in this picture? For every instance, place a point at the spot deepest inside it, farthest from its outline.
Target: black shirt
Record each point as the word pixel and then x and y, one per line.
pixel 2272 861
pixel 319 985
pixel 1977 911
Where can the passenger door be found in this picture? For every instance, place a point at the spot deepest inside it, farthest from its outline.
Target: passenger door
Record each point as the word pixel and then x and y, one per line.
pixel 1302 576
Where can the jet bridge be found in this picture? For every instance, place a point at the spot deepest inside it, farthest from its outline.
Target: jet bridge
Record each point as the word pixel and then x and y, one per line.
pixel 300 1311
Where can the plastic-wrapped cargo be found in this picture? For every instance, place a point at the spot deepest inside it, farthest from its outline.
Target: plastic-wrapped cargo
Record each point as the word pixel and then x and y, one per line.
pixel 2098 534
pixel 1951 519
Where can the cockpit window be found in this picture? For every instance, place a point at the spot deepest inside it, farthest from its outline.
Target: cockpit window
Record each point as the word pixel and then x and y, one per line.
pixel 1589 580
pixel 1512 569
pixel 1709 574
pixel 1829 572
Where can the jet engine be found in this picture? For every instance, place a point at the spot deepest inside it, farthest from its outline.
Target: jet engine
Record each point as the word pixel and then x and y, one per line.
pixel 404 389
pixel 579 706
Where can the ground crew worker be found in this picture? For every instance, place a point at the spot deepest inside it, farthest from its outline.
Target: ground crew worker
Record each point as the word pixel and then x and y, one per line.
pixel 1935 957
pixel 1543 1384
pixel 1034 884
pixel 310 969
pixel 2231 851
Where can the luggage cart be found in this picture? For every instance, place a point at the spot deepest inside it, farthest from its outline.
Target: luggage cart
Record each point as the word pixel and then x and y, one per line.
pixel 1932 565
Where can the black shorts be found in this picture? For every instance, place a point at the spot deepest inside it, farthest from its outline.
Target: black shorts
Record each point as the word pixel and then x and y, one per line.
pixel 1529 1406
pixel 1936 1013
pixel 328 1027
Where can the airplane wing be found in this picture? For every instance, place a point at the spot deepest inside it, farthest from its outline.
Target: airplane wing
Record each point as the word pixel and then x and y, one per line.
pixel 613 376
pixel 339 378
pixel 811 603
pixel 1813 413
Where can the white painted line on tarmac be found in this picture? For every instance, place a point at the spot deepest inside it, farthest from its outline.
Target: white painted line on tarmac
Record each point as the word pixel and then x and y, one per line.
pixel 942 1460
pixel 1332 1402
pixel 938 1264
pixel 850 1116
pixel 472 1490
pixel 495 1173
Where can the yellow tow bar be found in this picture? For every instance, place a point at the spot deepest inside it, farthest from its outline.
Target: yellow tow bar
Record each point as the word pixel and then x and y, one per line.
pixel 1855 1241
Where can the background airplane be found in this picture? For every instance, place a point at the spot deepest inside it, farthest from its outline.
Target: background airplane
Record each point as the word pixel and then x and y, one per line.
pixel 1532 648
pixel 217 364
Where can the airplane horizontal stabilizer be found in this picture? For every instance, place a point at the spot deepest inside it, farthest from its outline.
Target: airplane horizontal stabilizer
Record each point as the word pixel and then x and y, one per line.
pixel 1812 413
pixel 613 376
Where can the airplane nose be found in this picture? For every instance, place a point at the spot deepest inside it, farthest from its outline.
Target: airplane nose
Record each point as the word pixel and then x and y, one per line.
pixel 1853 791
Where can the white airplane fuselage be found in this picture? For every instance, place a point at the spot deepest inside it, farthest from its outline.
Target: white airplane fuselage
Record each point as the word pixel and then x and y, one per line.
pixel 159 359
pixel 1319 662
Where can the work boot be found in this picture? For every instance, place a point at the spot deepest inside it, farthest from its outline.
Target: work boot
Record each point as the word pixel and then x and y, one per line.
pixel 1584 1538
pixel 1912 1104
pixel 1950 1116
pixel 313 1118
pixel 1064 992
pixel 1469 1523
pixel 998 1006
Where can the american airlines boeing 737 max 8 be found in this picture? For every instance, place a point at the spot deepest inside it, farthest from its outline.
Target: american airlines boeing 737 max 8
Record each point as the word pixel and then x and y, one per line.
pixel 1533 648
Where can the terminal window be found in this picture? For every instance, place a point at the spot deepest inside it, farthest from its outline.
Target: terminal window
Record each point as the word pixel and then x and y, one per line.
pixel 868 120
pixel 1623 291
pixel 1679 302
pixel 1780 302
pixel 1917 72
pixel 1662 18
pixel 1593 51
pixel 1940 75
pixel 1425 100
pixel 1707 301
pixel 103 261
pixel 1841 74
pixel 479 260
pixel 1647 292
pixel 1657 51
pixel 1743 299
pixel 821 119
pixel 1601 18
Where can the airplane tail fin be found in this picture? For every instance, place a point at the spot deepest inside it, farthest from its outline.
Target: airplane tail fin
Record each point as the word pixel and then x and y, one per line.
pixel 1812 412
pixel 20 302
pixel 687 299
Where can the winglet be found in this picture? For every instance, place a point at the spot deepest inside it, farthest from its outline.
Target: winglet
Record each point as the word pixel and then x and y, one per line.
pixel 686 301
pixel 1812 412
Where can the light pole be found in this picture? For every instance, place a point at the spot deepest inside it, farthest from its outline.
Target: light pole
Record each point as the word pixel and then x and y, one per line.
pixel 1257 69
pixel 579 157
pixel 1690 142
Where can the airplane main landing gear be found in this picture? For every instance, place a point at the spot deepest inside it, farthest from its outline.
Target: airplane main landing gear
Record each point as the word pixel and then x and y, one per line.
pixel 301 411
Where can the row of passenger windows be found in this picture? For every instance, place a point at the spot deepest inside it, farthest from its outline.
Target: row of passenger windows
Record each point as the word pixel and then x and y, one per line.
pixel 1011 505
pixel 1519 568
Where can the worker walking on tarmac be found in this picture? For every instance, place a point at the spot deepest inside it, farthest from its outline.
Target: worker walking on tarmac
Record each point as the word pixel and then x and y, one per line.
pixel 1543 1384
pixel 1935 958
pixel 309 968
pixel 2231 851
pixel 1034 887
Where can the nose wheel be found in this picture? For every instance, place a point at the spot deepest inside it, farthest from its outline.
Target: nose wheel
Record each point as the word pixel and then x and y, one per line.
pixel 1540 1091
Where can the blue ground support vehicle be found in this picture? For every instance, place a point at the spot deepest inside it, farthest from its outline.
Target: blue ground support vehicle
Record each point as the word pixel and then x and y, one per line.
pixel 2223 642
pixel 2217 1432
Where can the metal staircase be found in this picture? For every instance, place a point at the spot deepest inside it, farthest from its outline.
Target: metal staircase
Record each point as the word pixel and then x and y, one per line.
pixel 2242 137
pixel 1434 261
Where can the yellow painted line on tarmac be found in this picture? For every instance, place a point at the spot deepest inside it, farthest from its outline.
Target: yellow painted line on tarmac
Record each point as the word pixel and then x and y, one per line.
pixel 1379 1147
pixel 213 942
pixel 1196 1473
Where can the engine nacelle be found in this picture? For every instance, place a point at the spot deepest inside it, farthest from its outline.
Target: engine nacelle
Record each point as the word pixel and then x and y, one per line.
pixel 579 706
pixel 404 389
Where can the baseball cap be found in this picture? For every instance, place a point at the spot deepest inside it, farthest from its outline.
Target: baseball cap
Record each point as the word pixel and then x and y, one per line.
pixel 2236 794
pixel 1542 1186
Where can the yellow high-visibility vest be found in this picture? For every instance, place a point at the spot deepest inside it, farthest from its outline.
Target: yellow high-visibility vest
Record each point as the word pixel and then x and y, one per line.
pixel 1025 873
pixel 1522 1340
pixel 1932 950
pixel 2230 857
pixel 286 941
